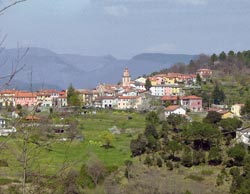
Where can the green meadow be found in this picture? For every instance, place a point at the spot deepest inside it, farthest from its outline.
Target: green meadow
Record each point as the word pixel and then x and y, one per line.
pixel 73 154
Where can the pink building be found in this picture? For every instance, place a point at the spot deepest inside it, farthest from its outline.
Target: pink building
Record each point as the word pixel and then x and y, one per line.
pixel 168 91
pixel 25 98
pixel 193 103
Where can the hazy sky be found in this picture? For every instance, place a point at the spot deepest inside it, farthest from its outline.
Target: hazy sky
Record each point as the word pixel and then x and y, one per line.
pixel 125 28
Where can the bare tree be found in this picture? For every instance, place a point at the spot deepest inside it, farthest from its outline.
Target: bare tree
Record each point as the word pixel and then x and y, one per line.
pixel 9 5
pixel 95 169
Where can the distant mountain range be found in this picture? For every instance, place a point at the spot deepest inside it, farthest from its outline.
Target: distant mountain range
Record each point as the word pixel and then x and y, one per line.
pixel 47 69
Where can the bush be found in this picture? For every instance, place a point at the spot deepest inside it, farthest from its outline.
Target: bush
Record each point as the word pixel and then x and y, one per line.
pixel 195 177
pixel 159 162
pixel 219 180
pixel 186 159
pixel 214 157
pixel 198 157
pixel 148 161
pixel 235 171
pixel 169 165
pixel 207 172
pixel 3 163
pixel 237 153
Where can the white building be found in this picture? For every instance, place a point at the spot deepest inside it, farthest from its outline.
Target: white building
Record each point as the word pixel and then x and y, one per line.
pixel 158 90
pixel 174 109
pixel 243 136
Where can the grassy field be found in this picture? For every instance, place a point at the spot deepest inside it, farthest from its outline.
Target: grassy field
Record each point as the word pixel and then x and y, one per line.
pixel 75 153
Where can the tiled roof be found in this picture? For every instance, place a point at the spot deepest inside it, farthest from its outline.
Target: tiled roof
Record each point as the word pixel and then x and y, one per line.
pixel 172 107
pixel 25 95
pixel 169 98
pixel 128 97
pixel 191 97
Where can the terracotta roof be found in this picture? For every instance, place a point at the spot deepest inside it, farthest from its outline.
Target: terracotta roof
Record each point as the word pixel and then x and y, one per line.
pixel 48 91
pixel 172 107
pixel 25 95
pixel 164 98
pixel 169 98
pixel 191 97
pixel 8 91
pixel 128 97
pixel 220 111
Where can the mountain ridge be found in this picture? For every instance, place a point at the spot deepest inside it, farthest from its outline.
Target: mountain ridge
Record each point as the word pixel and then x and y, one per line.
pixel 51 68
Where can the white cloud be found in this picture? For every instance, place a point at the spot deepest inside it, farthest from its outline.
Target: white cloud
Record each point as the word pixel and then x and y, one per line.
pixel 117 10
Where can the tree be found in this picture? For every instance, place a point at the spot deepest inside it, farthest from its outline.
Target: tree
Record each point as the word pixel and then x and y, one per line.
pixel 198 157
pixel 222 56
pixel 246 109
pixel 237 153
pixel 186 159
pixel 108 138
pixel 3 9
pixel 148 84
pixel 203 135
pixel 138 146
pixel 214 57
pixel 70 183
pixel 246 166
pixel 174 120
pixel 231 53
pixel 152 118
pixel 164 132
pixel 214 157
pixel 152 142
pixel 218 95
pixel 73 96
pixel 173 147
pixel 229 126
pixel 212 117
pixel 151 131
pixel 148 161
pixel 128 164
pixel 159 162
pixel 95 169
pixel 198 79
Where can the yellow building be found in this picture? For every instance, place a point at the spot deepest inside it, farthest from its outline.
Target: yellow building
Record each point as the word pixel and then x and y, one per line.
pixel 227 115
pixel 236 109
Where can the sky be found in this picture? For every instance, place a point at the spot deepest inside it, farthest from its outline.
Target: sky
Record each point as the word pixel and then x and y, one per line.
pixel 124 28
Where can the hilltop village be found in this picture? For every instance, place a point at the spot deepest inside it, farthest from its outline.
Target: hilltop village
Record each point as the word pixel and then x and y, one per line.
pixel 171 89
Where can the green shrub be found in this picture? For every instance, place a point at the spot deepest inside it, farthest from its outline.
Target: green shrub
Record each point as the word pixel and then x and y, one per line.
pixel 207 172
pixel 195 177
pixel 235 171
pixel 159 162
pixel 169 165
pixel 148 161
pixel 3 163
pixel 219 180
pixel 5 181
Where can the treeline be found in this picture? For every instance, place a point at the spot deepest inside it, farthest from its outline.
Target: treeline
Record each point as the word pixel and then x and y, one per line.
pixel 176 142
pixel 226 62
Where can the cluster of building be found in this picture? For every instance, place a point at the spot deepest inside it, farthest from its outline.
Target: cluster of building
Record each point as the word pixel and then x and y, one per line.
pixel 130 94
pixel 42 98
pixel 133 94
pixel 169 88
